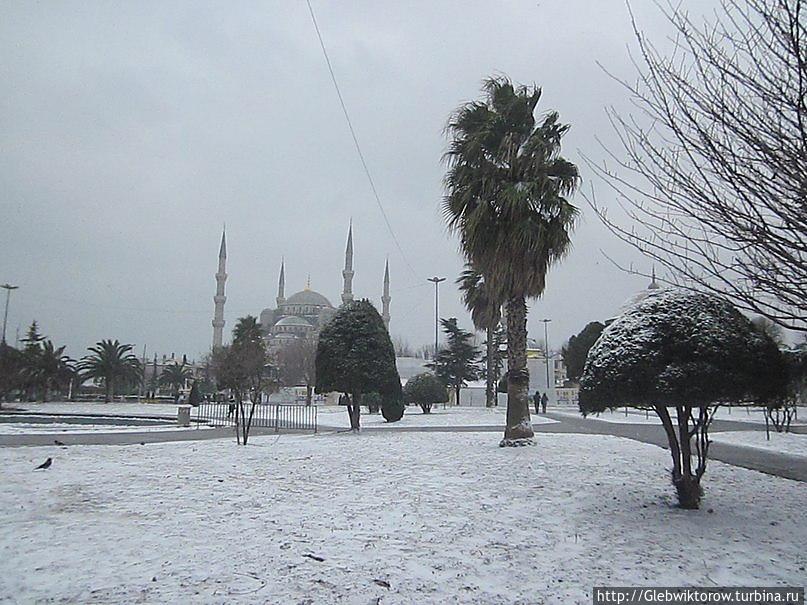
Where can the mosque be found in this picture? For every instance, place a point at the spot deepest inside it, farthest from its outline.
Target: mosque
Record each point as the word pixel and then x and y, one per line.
pixel 301 315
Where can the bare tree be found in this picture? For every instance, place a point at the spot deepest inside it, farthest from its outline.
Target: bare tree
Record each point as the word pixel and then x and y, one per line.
pixel 713 167
pixel 297 364
pixel 402 347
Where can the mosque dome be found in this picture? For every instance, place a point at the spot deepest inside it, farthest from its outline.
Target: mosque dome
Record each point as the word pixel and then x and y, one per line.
pixel 308 297
pixel 293 320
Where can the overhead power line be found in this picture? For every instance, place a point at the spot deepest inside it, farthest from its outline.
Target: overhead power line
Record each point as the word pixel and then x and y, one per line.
pixel 355 139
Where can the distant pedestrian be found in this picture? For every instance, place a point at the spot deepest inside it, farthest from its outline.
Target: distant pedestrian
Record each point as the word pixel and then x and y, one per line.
pixel 536 400
pixel 544 399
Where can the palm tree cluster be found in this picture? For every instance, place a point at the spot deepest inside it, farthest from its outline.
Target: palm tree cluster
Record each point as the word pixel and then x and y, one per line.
pixel 41 369
pixel 37 370
pixel 507 190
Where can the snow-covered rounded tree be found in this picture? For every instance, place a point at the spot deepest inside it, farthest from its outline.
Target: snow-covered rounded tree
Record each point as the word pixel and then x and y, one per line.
pixel 688 352
pixel 355 356
pixel 425 390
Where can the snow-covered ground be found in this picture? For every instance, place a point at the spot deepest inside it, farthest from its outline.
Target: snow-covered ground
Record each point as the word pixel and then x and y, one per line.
pixel 106 409
pixel 24 428
pixel 336 416
pixel 783 443
pixel 404 517
pixel 755 415
pixel 737 414
pixel 618 416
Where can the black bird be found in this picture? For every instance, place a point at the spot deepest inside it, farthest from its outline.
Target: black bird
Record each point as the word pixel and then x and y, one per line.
pixel 45 464
pixel 57 442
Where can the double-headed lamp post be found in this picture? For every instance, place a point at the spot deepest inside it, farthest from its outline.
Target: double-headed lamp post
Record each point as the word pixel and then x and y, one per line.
pixel 8 288
pixel 436 281
pixel 546 349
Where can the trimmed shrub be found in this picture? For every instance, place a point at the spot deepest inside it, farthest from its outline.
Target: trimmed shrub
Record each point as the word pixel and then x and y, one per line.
pixel 425 390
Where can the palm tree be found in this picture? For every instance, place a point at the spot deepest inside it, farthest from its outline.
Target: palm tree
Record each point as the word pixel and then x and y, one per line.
pixel 53 369
pixel 247 330
pixel 113 363
pixel 506 189
pixel 176 375
pixel 486 313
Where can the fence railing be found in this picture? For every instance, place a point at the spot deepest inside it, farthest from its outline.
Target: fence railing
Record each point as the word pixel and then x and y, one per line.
pixel 266 415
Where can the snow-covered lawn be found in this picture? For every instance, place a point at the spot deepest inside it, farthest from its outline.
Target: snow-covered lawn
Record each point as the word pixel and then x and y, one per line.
pixel 737 414
pixel 23 428
pixel 617 416
pixel 783 443
pixel 407 517
pixel 100 408
pixel 751 414
pixel 450 416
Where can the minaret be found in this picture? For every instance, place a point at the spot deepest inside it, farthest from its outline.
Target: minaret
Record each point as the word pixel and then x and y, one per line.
pixel 347 274
pixel 653 285
pixel 385 298
pixel 281 284
pixel 219 298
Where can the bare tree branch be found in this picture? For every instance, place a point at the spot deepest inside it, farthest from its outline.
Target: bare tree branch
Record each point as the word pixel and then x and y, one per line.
pixel 712 169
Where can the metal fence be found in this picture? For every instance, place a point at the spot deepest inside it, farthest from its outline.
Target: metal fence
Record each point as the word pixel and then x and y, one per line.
pixel 266 415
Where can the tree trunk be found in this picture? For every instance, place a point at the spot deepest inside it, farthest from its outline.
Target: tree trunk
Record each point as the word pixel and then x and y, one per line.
pixel 248 423
pixel 687 483
pixel 457 393
pixel 308 390
pixel 110 389
pixel 350 410
pixel 354 411
pixel 490 367
pixel 519 427
pixel 357 410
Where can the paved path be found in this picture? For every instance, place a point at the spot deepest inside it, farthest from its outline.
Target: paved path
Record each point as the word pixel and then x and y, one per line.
pixel 772 463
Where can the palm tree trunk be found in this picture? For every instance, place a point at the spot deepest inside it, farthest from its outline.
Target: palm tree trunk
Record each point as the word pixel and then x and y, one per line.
pixel 110 390
pixel 490 367
pixel 519 427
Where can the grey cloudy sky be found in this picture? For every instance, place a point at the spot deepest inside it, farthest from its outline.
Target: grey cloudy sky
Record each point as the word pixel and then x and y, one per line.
pixel 132 130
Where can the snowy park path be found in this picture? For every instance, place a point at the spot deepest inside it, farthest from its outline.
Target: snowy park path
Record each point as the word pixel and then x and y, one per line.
pixel 771 463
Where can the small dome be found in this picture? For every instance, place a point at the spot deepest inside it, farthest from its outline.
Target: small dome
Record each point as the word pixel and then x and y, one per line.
pixel 308 297
pixel 638 297
pixel 293 320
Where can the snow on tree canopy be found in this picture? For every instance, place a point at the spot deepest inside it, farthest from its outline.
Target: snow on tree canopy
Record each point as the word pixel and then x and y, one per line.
pixel 677 347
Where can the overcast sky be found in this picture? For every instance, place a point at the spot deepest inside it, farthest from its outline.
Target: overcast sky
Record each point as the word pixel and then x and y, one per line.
pixel 132 131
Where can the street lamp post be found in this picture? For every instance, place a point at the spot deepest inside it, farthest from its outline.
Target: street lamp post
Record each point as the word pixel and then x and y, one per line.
pixel 8 288
pixel 436 281
pixel 546 349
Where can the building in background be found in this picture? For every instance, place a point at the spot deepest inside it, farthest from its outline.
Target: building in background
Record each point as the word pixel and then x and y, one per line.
pixel 301 315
